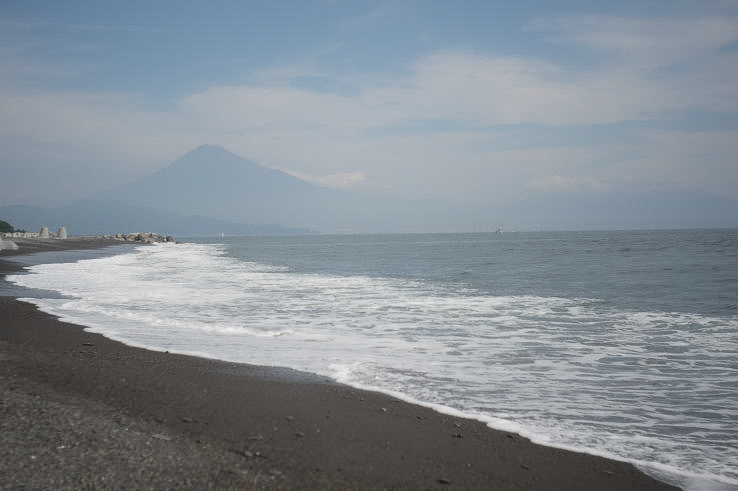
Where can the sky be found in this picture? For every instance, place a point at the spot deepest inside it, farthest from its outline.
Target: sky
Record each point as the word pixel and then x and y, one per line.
pixel 478 102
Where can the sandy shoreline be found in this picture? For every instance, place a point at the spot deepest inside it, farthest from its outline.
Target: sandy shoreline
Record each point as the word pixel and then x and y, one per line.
pixel 77 409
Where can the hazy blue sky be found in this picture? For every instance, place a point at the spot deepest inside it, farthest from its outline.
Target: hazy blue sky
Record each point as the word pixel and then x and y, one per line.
pixel 477 101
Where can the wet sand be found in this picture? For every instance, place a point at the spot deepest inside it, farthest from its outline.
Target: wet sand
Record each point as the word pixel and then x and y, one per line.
pixel 79 410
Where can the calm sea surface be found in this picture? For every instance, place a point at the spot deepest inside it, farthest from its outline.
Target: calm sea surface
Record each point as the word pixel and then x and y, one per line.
pixel 623 344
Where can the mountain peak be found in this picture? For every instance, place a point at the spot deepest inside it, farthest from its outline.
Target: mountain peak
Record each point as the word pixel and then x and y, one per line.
pixel 210 180
pixel 211 152
pixel 207 159
pixel 209 148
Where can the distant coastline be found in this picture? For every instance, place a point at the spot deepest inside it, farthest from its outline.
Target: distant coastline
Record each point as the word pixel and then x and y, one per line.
pixel 28 243
pixel 148 237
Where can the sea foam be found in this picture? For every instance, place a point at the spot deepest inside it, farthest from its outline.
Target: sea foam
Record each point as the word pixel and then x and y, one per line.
pixel 654 388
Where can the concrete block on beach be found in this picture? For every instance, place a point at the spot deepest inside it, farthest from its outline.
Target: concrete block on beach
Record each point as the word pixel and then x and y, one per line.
pixel 8 245
pixel 146 237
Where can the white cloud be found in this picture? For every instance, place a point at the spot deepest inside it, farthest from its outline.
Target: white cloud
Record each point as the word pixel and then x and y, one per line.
pixel 100 127
pixel 338 180
pixel 489 90
pixel 653 41
pixel 660 63
pixel 325 137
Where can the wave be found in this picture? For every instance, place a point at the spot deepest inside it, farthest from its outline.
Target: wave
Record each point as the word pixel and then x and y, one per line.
pixel 653 388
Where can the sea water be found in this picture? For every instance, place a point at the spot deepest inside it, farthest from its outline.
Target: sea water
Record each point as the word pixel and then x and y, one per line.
pixel 622 344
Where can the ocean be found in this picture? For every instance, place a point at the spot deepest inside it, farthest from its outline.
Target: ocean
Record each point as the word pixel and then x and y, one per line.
pixel 622 344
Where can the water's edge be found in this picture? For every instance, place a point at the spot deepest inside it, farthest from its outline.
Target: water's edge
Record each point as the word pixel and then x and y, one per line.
pixel 36 297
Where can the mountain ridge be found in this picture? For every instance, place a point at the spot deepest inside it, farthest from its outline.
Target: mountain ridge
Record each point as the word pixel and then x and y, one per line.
pixel 104 217
pixel 655 210
pixel 212 181
pixel 211 190
pixel 215 173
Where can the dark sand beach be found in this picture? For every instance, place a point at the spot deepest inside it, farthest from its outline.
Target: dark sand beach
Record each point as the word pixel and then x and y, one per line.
pixel 79 410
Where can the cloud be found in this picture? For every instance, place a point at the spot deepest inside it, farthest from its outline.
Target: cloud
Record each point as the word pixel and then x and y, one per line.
pixel 479 90
pixel 22 25
pixel 658 63
pixel 476 90
pixel 378 15
pixel 488 103
pixel 652 41
pixel 338 180
pixel 558 183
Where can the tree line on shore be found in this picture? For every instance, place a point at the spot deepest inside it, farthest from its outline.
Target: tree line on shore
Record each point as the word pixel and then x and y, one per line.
pixel 7 228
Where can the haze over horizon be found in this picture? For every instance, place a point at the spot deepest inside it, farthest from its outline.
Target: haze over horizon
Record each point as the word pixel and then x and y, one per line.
pixel 483 104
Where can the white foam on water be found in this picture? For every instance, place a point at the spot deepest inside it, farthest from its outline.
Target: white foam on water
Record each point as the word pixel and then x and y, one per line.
pixel 653 388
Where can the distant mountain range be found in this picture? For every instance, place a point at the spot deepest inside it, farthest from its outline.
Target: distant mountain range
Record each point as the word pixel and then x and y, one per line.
pixel 658 210
pixel 104 216
pixel 210 190
pixel 211 181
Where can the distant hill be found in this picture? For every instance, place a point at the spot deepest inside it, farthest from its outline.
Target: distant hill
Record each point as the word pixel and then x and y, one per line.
pixel 211 181
pixel 5 227
pixel 95 217
pixel 662 210
pixel 210 190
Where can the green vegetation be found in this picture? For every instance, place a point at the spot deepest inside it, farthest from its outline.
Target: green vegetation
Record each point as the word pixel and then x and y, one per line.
pixel 5 227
